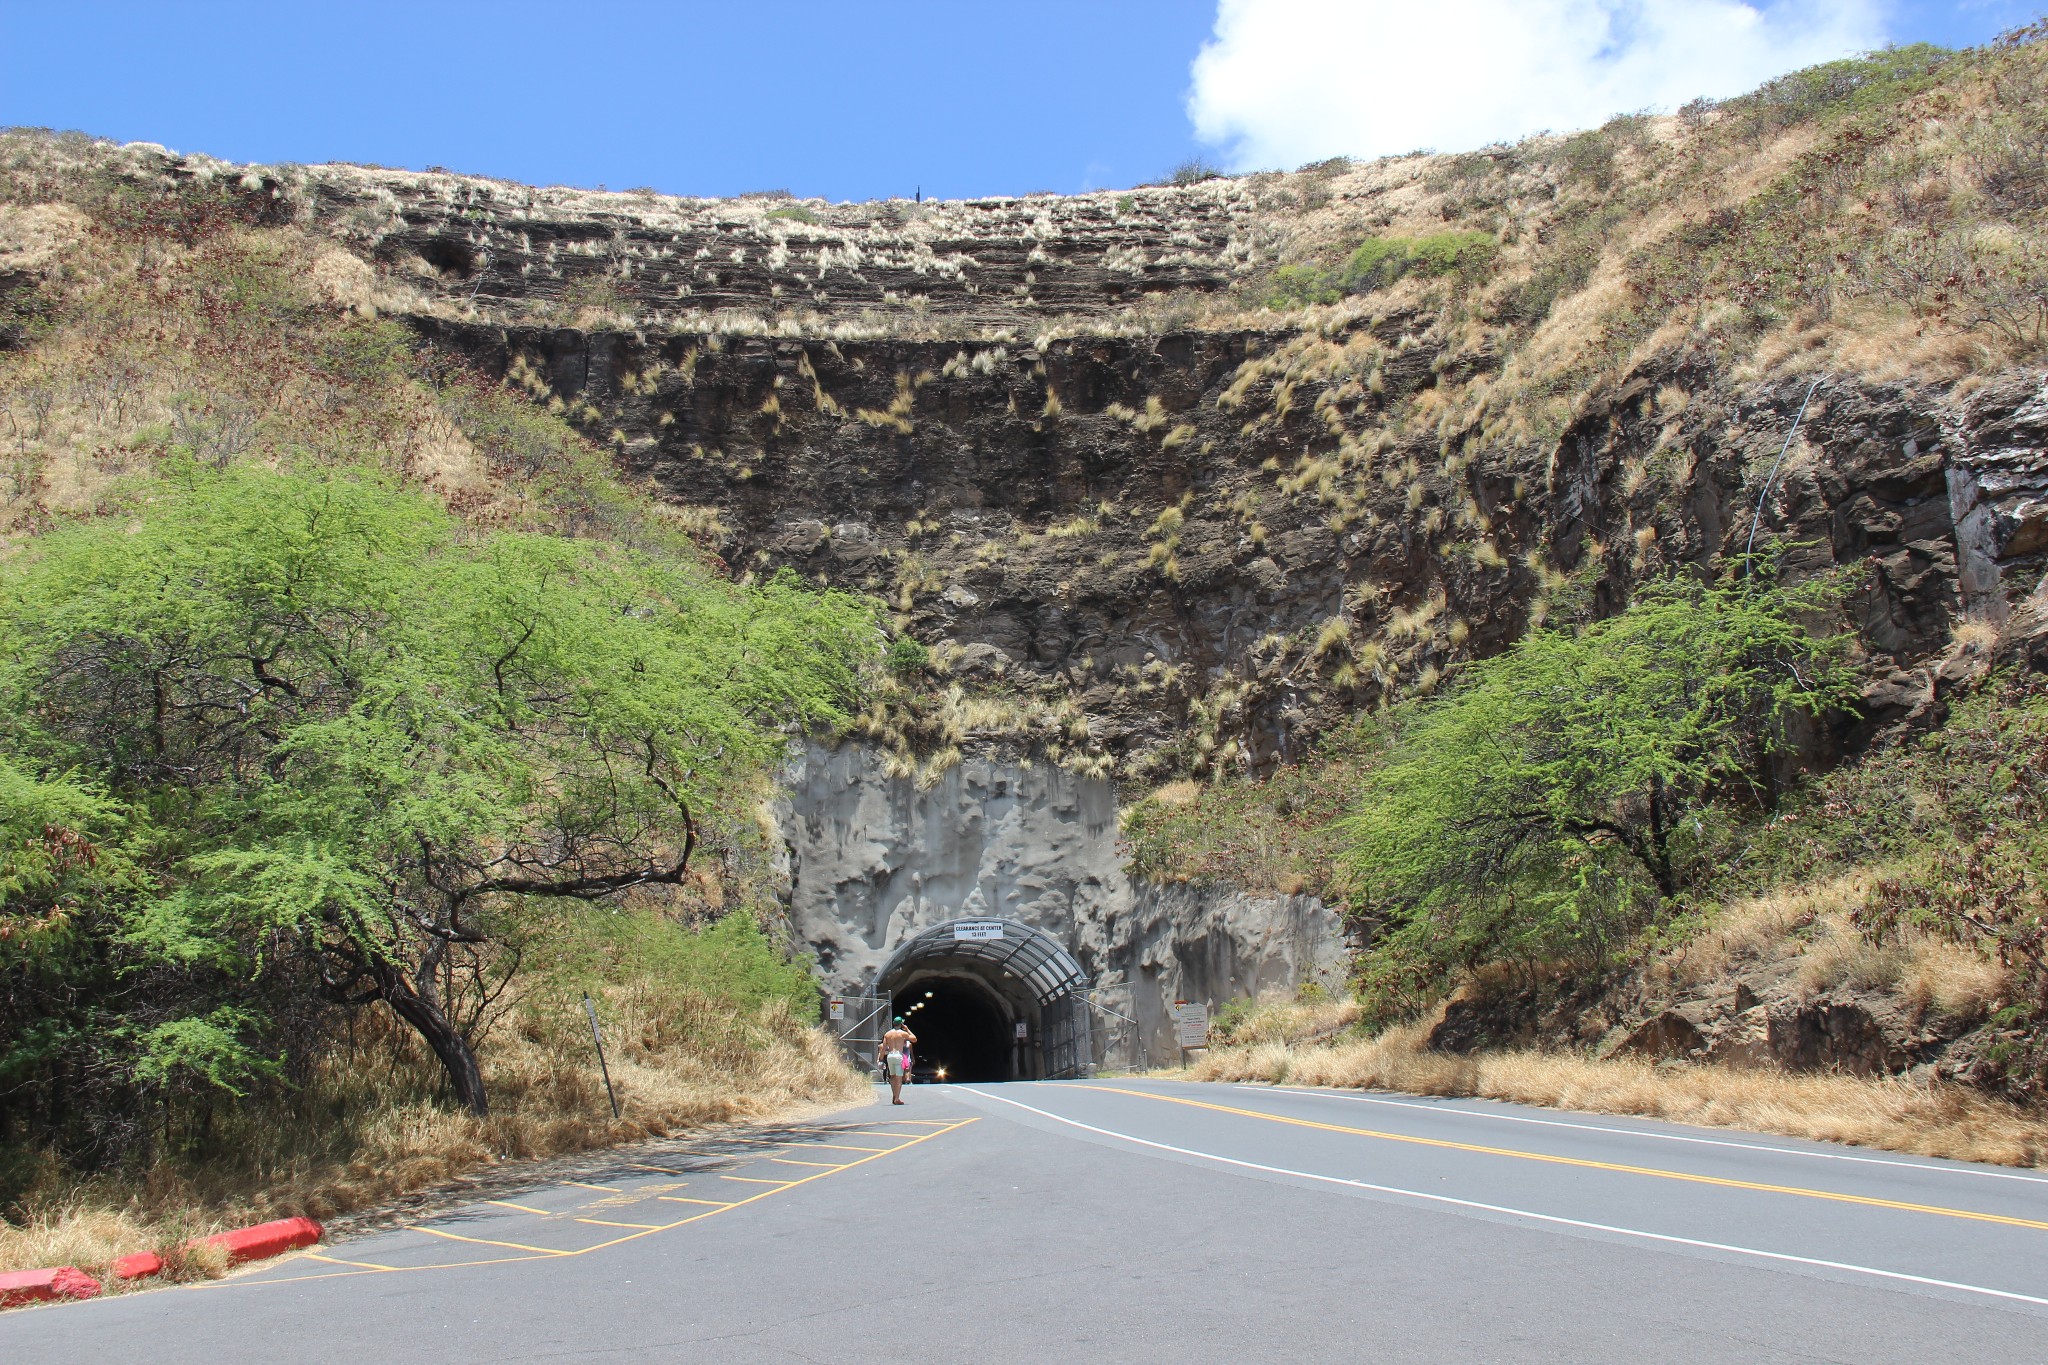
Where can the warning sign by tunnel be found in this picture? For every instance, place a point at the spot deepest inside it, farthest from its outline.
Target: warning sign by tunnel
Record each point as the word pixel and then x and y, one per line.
pixel 991 999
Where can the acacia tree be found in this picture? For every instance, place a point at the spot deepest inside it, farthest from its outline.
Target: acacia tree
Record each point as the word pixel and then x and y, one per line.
pixel 1556 795
pixel 367 738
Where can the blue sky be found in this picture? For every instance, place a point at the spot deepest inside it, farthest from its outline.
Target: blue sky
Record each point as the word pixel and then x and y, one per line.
pixel 848 99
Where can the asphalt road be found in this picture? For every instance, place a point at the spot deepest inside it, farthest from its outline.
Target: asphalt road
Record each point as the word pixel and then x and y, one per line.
pixel 1141 1221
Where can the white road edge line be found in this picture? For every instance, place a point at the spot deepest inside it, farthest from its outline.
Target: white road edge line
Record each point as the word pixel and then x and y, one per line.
pixel 1639 1132
pixel 1524 1213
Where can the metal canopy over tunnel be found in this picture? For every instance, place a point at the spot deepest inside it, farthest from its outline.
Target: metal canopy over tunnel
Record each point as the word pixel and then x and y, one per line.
pixel 1030 955
pixel 999 1000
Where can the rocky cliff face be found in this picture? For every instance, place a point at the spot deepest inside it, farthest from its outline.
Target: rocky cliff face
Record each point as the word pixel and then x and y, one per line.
pixel 1092 521
pixel 1207 542
pixel 975 264
pixel 1144 540
pixel 875 858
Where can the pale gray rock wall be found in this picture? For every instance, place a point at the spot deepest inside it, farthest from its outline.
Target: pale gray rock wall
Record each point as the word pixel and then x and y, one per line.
pixel 873 860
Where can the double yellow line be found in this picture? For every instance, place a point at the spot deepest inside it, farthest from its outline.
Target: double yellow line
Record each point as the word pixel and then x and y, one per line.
pixel 1547 1158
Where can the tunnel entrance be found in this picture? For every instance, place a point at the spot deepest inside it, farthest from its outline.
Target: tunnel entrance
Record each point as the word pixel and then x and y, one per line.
pixel 963 1031
pixel 991 1000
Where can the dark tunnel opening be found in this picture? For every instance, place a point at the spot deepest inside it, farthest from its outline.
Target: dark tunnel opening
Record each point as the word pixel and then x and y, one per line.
pixel 960 1029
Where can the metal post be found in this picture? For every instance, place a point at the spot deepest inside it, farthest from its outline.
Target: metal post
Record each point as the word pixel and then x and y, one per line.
pixel 598 1038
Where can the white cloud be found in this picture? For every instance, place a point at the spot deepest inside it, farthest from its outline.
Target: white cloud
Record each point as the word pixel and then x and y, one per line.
pixel 1289 81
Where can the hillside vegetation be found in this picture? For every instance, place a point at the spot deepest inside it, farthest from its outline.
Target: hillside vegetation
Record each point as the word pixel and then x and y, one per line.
pixel 1608 838
pixel 410 579
pixel 359 721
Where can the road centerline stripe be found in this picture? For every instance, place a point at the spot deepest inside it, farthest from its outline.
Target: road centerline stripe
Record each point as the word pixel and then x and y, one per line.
pixel 1529 1214
pixel 1325 1092
pixel 1724 1182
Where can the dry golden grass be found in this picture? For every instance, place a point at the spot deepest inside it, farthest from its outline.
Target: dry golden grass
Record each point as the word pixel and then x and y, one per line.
pixel 1293 1022
pixel 1180 792
pixel 33 235
pixel 1898 1115
pixel 1974 635
pixel 373 1125
pixel 92 1238
pixel 1763 926
pixel 1812 924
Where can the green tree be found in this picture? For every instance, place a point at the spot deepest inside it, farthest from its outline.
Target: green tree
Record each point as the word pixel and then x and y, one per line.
pixel 366 738
pixel 1558 795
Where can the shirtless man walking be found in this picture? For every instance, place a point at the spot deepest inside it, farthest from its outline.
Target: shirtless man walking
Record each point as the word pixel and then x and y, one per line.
pixel 896 1044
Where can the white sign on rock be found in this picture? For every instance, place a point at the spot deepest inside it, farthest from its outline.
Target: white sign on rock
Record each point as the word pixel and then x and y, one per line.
pixel 977 930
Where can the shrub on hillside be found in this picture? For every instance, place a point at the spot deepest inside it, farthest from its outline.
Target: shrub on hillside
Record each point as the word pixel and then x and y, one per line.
pixel 1957 821
pixel 1379 262
pixel 1564 794
pixel 279 744
pixel 1846 86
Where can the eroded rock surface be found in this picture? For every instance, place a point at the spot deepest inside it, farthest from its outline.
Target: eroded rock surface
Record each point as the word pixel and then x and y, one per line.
pixel 874 859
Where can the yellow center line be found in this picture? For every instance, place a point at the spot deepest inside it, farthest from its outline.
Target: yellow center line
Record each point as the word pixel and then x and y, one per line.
pixel 1658 1172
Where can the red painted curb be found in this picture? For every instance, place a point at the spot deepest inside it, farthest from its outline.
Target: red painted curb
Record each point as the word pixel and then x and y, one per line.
pixel 265 1239
pixel 35 1286
pixel 139 1266
pixel 245 1244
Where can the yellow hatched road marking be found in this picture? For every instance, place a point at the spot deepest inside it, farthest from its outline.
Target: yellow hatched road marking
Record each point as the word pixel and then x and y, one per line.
pixel 792 1161
pixel 755 1180
pixel 586 1185
pixel 1658 1172
pixel 485 1241
pixel 606 1223
pixel 523 1208
pixel 336 1260
pixel 714 1209
pixel 842 1147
